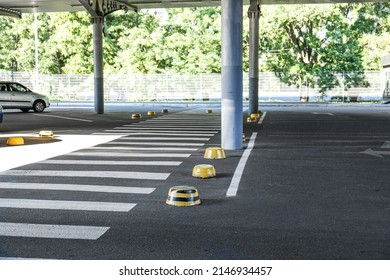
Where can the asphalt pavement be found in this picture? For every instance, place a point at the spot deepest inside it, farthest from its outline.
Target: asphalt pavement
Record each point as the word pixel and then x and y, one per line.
pixel 315 184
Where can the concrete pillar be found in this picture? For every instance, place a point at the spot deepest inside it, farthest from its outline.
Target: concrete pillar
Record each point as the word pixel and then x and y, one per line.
pixel 231 99
pixel 254 16
pixel 97 22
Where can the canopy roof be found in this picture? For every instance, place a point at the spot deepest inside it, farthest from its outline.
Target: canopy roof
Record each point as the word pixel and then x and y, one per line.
pixel 28 6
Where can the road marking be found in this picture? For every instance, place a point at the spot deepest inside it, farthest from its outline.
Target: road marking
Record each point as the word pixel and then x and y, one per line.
pixel 158 130
pixel 156 144
pixel 93 174
pixel 329 114
pixel 66 205
pixel 27 154
pixel 154 126
pixel 386 145
pixel 262 118
pixel 165 122
pixel 233 188
pixel 112 162
pixel 380 154
pixel 52 231
pixel 102 154
pixel 166 138
pixel 143 149
pixel 61 117
pixel 130 133
pixel 77 188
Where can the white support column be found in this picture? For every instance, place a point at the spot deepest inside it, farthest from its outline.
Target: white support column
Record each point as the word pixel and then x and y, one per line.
pixel 97 22
pixel 254 16
pixel 232 76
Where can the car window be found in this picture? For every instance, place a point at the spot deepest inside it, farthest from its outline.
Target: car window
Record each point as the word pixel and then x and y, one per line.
pixel 17 87
pixel 3 87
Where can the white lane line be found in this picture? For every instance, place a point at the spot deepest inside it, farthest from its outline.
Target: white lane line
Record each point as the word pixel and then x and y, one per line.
pixel 112 162
pixel 76 188
pixel 143 149
pixel 66 205
pixel 93 174
pixel 233 188
pixel 131 133
pixel 61 117
pixel 262 118
pixel 166 138
pixel 157 144
pixel 102 154
pixel 51 231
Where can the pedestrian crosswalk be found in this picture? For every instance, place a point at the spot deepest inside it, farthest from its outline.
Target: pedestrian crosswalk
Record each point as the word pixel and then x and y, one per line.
pixel 157 144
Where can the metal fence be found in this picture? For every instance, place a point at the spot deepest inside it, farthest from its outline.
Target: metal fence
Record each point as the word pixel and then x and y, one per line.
pixel 161 87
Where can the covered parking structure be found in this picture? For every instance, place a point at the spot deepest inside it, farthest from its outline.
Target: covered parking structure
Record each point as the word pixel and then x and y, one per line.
pixel 232 49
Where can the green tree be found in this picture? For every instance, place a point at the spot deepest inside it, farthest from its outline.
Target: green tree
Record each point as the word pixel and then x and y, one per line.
pixel 310 44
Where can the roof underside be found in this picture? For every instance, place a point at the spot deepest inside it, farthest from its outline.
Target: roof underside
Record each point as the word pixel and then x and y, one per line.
pixel 28 6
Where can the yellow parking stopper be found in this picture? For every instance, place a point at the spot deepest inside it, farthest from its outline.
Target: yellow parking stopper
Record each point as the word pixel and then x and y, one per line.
pixel 46 133
pixel 214 153
pixel 183 196
pixel 257 116
pixel 151 113
pixel 15 141
pixel 136 116
pixel 165 111
pixel 204 171
pixel 251 120
pixel 209 111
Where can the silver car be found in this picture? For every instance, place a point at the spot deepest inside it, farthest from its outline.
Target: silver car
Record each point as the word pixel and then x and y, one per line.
pixel 16 96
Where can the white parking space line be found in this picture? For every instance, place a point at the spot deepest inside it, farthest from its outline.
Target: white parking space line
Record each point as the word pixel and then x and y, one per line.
pixel 93 174
pixel 131 133
pixel 157 144
pixel 262 118
pixel 76 188
pixel 61 117
pixel 233 188
pixel 51 231
pixel 112 162
pixel 167 138
pixel 66 205
pixel 148 155
pixel 143 148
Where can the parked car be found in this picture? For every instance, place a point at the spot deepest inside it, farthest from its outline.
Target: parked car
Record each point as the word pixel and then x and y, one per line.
pixel 1 114
pixel 16 96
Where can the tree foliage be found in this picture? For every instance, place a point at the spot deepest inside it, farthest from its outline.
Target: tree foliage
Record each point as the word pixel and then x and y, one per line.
pixel 302 44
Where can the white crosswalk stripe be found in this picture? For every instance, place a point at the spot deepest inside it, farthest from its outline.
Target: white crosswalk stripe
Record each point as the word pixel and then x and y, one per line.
pixel 66 205
pixel 52 231
pixel 157 144
pixel 144 148
pixel 93 174
pixel 75 187
pixel 165 137
pixel 138 155
pixel 112 162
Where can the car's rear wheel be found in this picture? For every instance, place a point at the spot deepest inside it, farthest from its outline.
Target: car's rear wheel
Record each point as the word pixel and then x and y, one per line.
pixel 39 106
pixel 25 110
